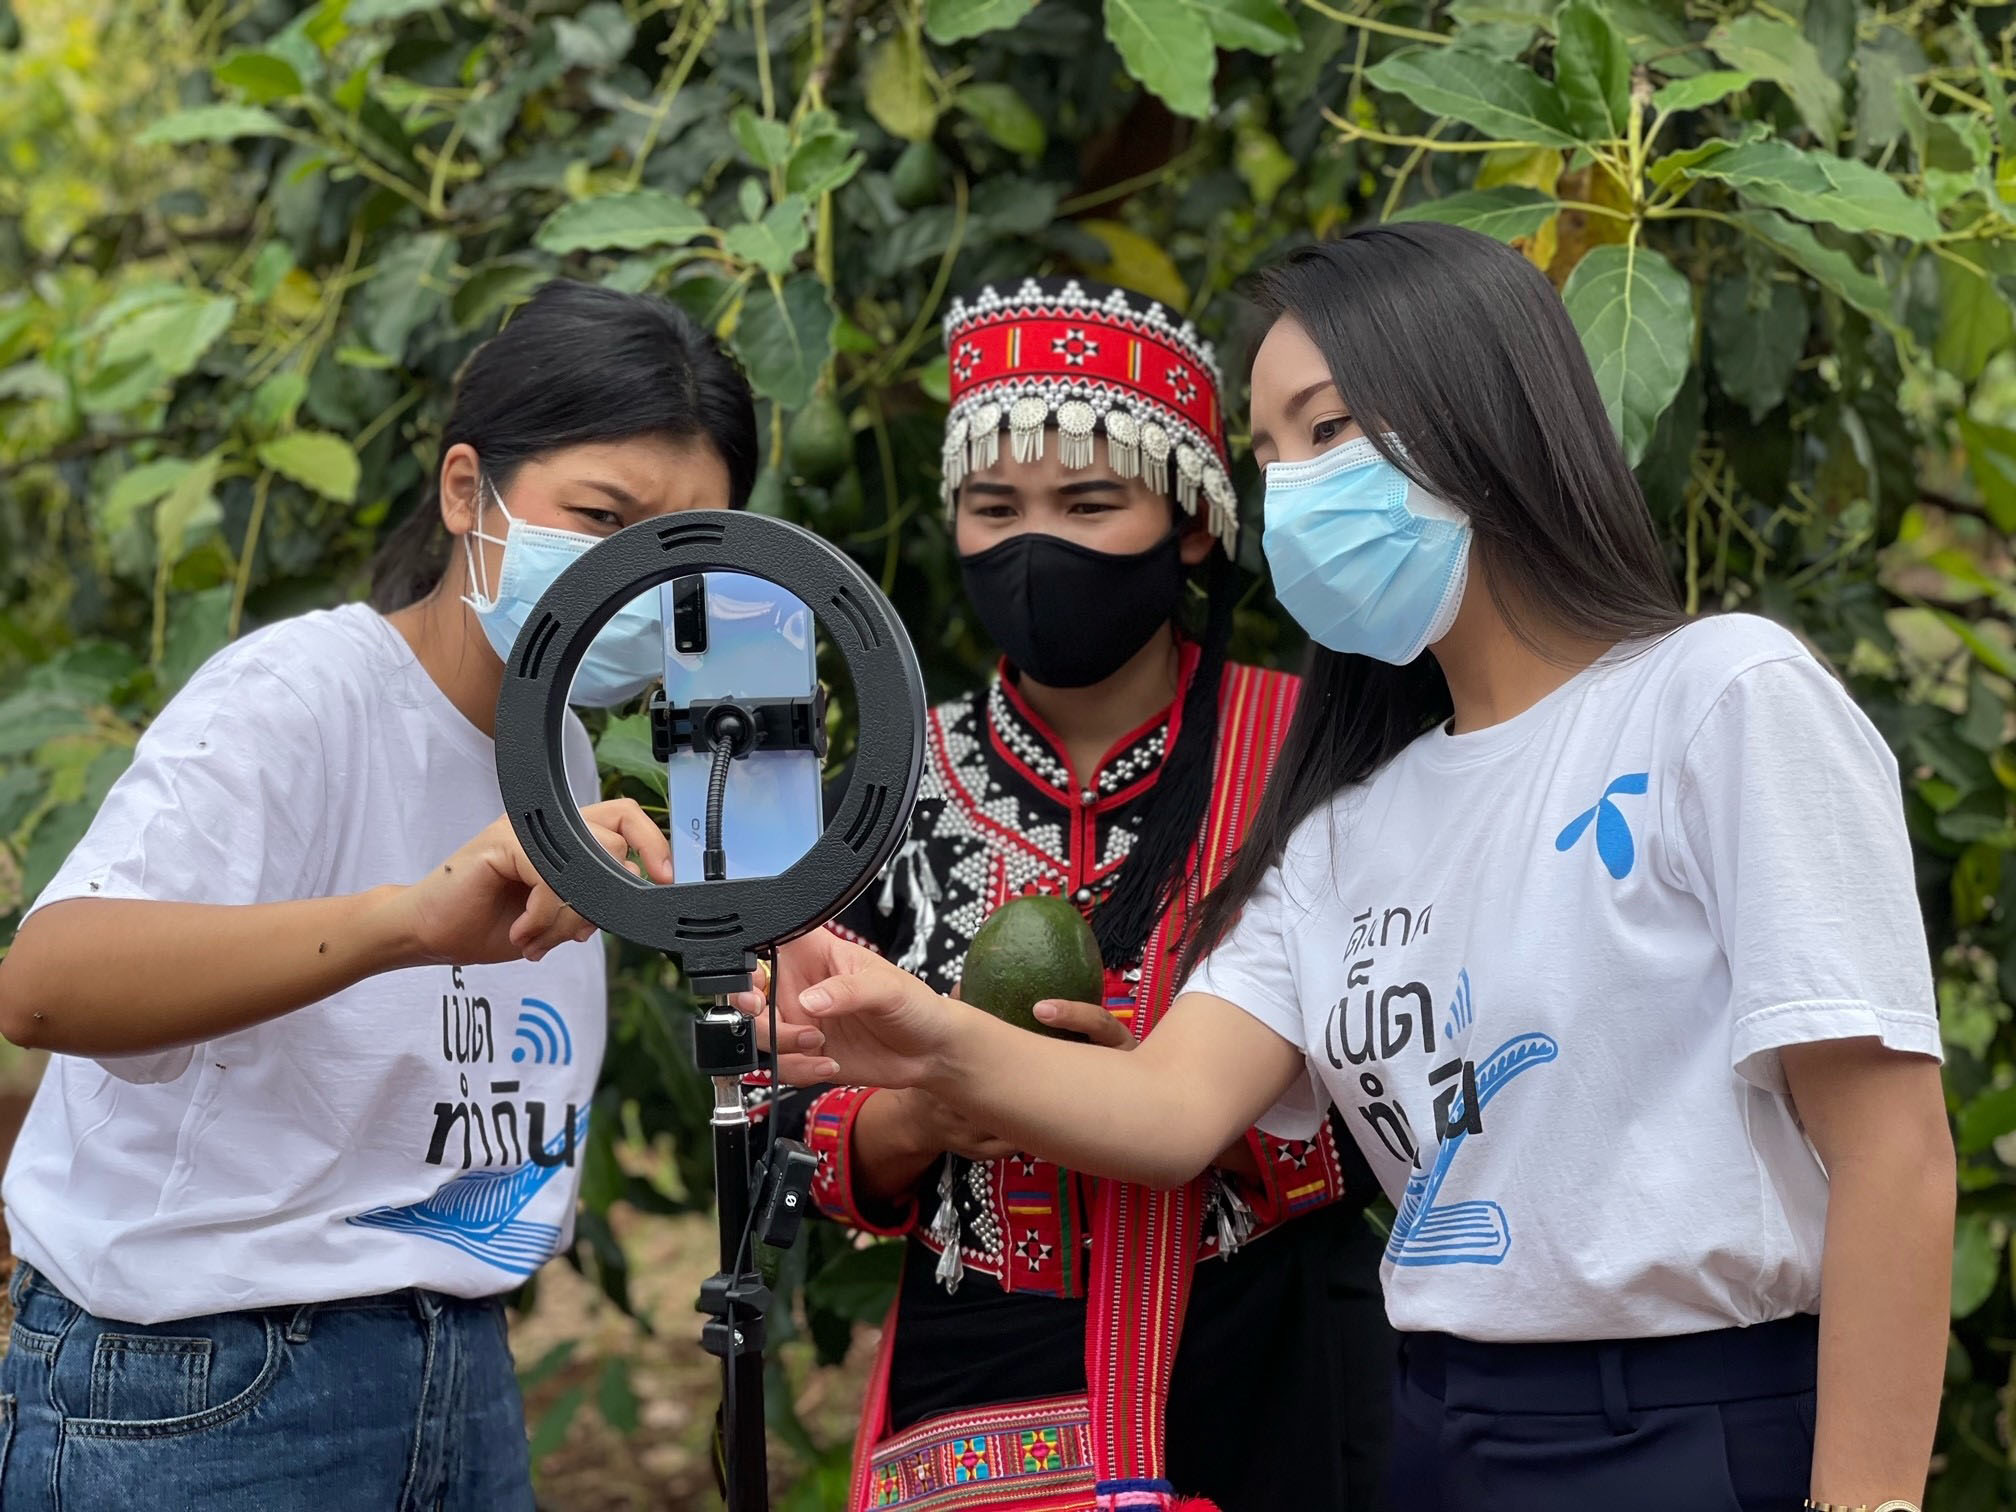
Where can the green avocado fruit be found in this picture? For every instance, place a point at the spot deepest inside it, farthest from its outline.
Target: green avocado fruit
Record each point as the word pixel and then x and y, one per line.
pixel 1028 950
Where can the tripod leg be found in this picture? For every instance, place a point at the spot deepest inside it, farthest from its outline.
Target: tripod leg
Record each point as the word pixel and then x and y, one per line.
pixel 742 1362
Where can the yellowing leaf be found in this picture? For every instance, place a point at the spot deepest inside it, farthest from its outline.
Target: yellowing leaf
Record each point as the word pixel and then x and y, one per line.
pixel 297 296
pixel 1134 262
pixel 1530 168
pixel 1533 167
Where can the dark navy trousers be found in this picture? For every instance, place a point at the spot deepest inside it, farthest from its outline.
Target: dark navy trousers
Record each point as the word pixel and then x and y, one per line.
pixel 1713 1422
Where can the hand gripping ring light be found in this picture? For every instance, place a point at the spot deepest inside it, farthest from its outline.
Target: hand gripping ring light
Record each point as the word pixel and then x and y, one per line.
pixel 716 928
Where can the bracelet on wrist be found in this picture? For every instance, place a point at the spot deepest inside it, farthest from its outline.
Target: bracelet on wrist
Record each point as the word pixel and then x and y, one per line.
pixel 1895 1504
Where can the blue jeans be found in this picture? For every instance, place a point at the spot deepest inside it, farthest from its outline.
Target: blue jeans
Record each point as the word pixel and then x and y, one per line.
pixel 401 1403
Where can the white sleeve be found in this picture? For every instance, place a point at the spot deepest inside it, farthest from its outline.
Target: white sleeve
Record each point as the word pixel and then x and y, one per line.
pixel 1792 823
pixel 1251 968
pixel 223 803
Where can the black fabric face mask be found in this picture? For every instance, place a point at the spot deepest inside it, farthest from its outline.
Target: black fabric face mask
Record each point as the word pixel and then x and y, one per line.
pixel 1067 615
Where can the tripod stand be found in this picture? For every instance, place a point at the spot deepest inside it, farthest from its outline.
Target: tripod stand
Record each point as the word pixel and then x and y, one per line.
pixel 758 1199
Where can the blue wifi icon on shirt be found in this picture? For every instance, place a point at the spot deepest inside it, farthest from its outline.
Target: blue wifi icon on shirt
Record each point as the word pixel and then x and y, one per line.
pixel 1613 833
pixel 543 1036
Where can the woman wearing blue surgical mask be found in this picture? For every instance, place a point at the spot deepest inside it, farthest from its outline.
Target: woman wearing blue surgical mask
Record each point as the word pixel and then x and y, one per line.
pixel 325 1043
pixel 1595 924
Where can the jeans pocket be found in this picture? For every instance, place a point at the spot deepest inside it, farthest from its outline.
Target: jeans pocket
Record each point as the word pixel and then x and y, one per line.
pixel 138 1376
pixel 160 1385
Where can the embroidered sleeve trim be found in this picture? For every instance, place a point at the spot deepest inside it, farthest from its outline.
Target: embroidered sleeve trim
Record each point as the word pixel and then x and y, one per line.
pixel 829 1134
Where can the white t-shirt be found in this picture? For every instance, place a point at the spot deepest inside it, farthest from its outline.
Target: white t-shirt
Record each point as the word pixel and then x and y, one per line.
pixel 425 1127
pixel 1545 970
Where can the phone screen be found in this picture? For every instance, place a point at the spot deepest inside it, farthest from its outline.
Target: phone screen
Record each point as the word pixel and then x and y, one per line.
pixel 730 635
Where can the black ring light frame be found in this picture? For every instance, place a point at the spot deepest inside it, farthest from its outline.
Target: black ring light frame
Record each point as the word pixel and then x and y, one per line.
pixel 716 928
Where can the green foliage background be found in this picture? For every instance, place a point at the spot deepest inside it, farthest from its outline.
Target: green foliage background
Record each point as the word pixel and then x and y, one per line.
pixel 243 247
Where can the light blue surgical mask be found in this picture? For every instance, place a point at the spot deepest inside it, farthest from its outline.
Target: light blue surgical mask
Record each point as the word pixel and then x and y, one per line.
pixel 1364 558
pixel 627 655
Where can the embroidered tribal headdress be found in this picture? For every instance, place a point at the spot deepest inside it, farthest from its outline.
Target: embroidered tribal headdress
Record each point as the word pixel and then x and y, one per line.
pixel 1082 358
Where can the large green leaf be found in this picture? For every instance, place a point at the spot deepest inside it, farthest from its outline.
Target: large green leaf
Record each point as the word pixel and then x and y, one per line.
pixel 174 336
pixel 1778 51
pixel 1701 91
pixel 1168 46
pixel 1975 318
pixel 1833 270
pixel 1592 71
pixel 641 218
pixel 1635 312
pixel 1882 63
pixel 624 747
pixel 1818 186
pixel 772 242
pixel 1977 1262
pixel 409 288
pixel 315 460
pixel 785 341
pixel 1507 101
pixel 212 123
pixel 956 20
pixel 1506 212
pixel 261 77
pixel 1757 336
pixel 1991 459
pixel 1258 26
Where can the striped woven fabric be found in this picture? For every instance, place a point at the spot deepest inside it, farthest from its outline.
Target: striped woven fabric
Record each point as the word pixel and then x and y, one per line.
pixel 1030 1457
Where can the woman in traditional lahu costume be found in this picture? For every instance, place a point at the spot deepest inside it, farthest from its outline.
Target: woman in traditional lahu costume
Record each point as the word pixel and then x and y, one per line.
pixel 1033 1350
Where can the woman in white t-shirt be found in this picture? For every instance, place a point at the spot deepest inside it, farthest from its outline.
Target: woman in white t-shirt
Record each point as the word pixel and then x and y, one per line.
pixel 325 1061
pixel 1596 925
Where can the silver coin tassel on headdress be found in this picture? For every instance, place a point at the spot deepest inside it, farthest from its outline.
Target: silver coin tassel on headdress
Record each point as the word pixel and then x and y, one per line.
pixel 1135 448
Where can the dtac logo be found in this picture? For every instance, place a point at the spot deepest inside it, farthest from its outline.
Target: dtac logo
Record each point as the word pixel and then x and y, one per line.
pixel 543 1036
pixel 1613 833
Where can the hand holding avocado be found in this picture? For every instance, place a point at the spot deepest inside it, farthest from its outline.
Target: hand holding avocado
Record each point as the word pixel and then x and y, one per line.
pixel 1039 949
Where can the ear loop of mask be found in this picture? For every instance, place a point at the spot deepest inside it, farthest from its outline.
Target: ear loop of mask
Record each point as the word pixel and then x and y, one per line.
pixel 478 573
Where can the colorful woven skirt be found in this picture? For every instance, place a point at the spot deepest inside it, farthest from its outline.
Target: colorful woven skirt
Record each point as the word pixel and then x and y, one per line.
pixel 1015 1457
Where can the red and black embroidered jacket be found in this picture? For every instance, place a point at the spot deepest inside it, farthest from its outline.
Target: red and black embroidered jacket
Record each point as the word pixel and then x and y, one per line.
pixel 1001 813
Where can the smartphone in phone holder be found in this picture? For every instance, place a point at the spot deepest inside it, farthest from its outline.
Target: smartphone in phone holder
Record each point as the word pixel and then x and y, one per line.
pixel 715 921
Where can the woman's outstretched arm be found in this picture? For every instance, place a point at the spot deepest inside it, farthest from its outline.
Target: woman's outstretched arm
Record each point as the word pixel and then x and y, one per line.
pixel 1157 1115
pixel 124 976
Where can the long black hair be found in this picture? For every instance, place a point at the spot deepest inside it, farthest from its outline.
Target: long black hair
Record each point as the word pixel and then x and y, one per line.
pixel 1158 865
pixel 1458 345
pixel 577 364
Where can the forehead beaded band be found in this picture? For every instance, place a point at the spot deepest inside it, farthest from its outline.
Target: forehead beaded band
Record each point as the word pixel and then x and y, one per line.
pixel 1083 358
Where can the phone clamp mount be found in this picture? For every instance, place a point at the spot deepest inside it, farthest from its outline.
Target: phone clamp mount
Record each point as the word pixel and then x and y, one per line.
pixel 715 928
pixel 780 724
